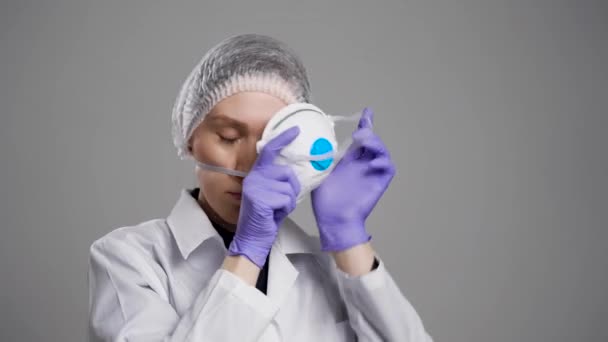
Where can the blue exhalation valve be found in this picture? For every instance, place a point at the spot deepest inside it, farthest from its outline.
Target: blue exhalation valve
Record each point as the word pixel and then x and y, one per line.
pixel 321 146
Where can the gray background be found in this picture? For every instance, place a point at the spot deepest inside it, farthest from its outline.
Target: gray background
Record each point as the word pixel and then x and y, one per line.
pixel 495 113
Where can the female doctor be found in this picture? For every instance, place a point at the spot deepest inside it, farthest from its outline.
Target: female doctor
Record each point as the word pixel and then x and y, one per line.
pixel 227 263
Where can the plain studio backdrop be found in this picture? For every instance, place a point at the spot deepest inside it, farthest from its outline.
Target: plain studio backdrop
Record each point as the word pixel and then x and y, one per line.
pixel 495 113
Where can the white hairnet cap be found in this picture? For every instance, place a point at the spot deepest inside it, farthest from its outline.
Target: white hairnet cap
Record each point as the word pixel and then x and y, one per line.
pixel 246 62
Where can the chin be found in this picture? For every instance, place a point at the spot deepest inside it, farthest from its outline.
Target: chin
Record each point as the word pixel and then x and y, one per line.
pixel 233 216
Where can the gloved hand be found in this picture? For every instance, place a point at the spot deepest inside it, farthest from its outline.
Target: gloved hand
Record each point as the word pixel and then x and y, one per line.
pixel 268 196
pixel 344 200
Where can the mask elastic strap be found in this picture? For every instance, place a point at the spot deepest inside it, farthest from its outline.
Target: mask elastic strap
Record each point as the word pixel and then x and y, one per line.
pixel 352 117
pixel 221 169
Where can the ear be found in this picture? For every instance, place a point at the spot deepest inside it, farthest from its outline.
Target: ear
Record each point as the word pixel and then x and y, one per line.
pixel 189 144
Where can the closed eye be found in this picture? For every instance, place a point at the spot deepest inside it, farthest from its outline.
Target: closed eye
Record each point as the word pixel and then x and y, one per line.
pixel 228 140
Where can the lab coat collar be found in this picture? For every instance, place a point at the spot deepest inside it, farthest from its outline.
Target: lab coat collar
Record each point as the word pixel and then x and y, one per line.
pixel 190 227
pixel 189 224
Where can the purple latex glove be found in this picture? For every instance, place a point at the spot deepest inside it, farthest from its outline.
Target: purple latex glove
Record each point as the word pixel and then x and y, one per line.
pixel 269 195
pixel 344 200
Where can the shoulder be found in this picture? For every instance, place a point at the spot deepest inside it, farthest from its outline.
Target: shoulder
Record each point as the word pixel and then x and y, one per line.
pixel 143 239
pixel 131 255
pixel 128 258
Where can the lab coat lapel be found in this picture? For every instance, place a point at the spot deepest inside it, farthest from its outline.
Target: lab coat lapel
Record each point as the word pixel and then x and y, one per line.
pixel 282 274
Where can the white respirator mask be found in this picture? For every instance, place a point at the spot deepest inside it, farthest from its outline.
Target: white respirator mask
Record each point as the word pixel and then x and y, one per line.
pixel 313 154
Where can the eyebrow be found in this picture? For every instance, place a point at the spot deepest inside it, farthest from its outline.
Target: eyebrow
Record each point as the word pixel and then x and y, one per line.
pixel 228 121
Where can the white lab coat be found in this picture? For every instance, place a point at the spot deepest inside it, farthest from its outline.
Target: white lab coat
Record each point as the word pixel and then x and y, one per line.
pixel 162 280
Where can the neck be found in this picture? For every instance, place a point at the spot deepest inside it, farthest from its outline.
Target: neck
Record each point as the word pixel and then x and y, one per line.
pixel 213 215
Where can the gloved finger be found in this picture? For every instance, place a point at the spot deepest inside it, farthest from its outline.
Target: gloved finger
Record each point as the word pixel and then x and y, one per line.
pixel 381 163
pixel 367 118
pixel 280 187
pixel 274 146
pixel 371 143
pixel 354 151
pixel 286 174
pixel 286 209
pixel 386 172
pixel 279 202
pixel 362 134
pixel 281 213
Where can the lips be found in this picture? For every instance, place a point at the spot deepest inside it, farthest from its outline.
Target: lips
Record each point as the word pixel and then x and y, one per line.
pixel 235 195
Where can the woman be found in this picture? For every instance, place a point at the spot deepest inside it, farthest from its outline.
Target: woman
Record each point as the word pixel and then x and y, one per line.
pixel 227 264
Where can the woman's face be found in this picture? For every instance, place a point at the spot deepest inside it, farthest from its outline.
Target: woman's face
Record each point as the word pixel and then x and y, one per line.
pixel 227 137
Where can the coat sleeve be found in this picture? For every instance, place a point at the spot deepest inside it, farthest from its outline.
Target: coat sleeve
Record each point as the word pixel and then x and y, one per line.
pixel 376 308
pixel 127 302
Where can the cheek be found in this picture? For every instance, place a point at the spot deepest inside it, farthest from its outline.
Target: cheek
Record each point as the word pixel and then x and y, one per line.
pixel 214 153
pixel 212 182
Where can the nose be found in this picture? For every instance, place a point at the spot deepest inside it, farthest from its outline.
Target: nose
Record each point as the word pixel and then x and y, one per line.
pixel 247 156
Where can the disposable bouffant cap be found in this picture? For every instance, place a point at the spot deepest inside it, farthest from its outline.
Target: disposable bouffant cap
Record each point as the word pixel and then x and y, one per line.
pixel 246 62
